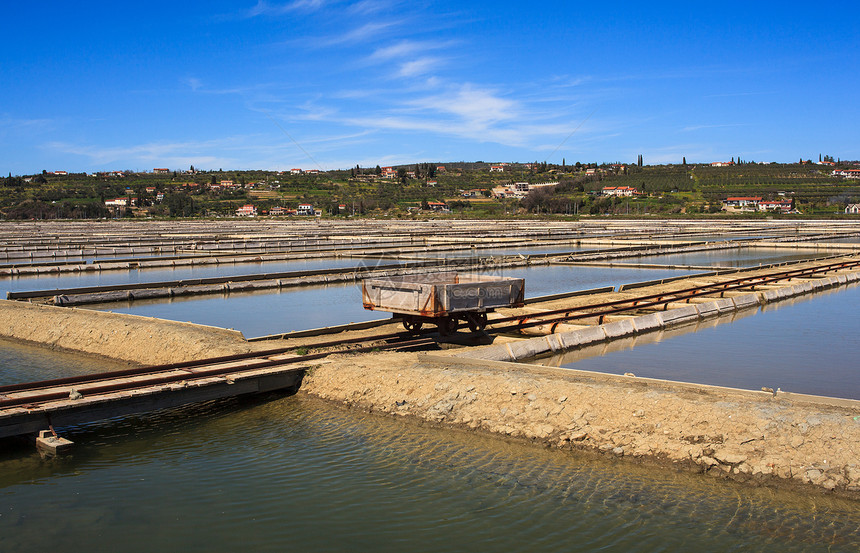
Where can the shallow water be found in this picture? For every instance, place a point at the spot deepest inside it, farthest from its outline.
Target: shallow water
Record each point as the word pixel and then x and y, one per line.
pixel 26 363
pixel 293 473
pixel 274 312
pixel 516 250
pixel 106 278
pixel 843 240
pixel 810 345
pixel 735 257
pixel 298 474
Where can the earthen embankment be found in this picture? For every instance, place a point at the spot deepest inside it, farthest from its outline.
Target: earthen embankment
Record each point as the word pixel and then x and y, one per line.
pixel 743 435
pixel 143 340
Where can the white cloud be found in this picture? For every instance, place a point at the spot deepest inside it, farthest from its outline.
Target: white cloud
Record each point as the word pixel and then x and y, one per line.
pixel 401 49
pixel 265 8
pixel 149 152
pixel 19 124
pixel 366 32
pixel 407 48
pixel 371 6
pixel 473 105
pixel 418 67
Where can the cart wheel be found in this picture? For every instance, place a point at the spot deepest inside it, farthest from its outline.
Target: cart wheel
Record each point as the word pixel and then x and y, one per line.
pixel 447 326
pixel 412 326
pixel 476 321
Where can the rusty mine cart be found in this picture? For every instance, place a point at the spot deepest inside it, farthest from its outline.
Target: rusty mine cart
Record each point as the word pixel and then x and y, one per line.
pixel 442 299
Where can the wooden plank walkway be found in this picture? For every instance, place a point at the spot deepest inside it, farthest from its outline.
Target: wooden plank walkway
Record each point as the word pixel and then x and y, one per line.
pixel 28 411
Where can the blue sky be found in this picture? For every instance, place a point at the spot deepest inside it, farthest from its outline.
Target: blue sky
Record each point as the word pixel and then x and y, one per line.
pixel 90 86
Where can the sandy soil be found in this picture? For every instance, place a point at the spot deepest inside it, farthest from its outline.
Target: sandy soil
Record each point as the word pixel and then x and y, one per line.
pixel 138 340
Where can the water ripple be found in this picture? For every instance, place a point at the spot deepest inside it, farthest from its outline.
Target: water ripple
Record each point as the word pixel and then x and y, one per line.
pixel 260 475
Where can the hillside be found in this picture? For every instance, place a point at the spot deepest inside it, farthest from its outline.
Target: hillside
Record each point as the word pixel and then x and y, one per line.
pixel 464 187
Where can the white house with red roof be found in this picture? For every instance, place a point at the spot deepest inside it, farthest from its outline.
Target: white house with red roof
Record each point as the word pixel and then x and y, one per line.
pixel 247 210
pixel 741 203
pixel 620 191
pixel 847 173
pixel 775 205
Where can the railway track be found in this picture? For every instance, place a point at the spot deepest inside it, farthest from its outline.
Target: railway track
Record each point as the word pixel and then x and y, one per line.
pixel 31 394
pixel 34 394
pixel 662 299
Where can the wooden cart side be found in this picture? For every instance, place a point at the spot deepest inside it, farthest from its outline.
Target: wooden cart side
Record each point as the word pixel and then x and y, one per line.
pixel 408 298
pixel 482 296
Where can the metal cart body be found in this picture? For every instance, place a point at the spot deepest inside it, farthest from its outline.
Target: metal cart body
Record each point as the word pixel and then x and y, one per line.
pixel 444 299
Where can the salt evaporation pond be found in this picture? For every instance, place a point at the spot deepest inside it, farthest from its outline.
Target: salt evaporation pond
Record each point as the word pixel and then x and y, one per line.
pixel 294 473
pixel 734 257
pixel 263 313
pixel 808 345
pixel 134 276
pixel 145 275
pixel 515 250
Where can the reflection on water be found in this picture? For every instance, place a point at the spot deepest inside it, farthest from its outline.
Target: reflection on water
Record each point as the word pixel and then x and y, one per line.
pixel 517 250
pixel 735 257
pixel 107 278
pixel 26 363
pixel 843 240
pixel 299 474
pixel 274 312
pixel 809 344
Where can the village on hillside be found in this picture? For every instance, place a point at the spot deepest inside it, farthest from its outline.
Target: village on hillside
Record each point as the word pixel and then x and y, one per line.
pixel 476 189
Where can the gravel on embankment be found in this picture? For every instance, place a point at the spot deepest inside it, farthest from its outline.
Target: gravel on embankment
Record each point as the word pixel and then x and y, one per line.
pixel 747 436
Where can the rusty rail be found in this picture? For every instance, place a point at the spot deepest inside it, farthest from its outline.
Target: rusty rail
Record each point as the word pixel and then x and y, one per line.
pixel 603 309
pixel 190 370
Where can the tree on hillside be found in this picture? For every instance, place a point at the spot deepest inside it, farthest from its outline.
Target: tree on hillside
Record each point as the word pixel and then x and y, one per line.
pixel 180 205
